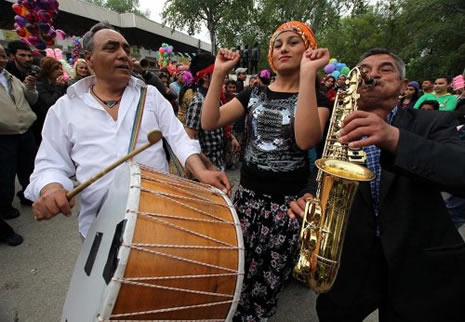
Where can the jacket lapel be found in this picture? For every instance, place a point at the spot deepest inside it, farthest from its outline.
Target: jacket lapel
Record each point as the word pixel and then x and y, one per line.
pixel 402 120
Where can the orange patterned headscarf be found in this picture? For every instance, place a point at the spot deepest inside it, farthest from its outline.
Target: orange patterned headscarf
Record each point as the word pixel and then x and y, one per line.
pixel 299 28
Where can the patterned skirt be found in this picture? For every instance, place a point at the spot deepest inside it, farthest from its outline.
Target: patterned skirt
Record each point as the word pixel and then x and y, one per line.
pixel 271 241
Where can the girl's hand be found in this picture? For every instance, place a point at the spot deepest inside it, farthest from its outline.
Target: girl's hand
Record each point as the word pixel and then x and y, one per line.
pixel 226 60
pixel 313 60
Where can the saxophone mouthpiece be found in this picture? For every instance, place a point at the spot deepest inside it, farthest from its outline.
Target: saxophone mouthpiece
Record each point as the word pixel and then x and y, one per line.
pixel 367 82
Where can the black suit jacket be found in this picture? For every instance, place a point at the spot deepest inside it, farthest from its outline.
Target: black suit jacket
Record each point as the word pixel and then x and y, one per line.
pixel 425 254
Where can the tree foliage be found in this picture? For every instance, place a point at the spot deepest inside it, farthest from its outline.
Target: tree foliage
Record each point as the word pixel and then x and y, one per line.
pixel 193 14
pixel 427 34
pixel 122 6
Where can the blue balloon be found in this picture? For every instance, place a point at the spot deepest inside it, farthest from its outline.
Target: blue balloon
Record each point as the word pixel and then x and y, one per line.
pixel 335 63
pixel 335 74
pixel 339 66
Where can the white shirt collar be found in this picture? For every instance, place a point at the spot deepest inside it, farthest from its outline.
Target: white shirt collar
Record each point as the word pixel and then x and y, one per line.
pixel 83 86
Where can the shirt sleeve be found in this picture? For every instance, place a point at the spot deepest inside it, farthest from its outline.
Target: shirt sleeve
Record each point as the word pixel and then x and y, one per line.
pixel 420 100
pixel 53 162
pixel 173 130
pixel 450 103
pixel 193 113
pixel 244 97
pixel 322 100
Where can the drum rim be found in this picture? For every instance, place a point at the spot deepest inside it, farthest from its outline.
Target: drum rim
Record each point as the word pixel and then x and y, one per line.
pixel 241 254
pixel 111 292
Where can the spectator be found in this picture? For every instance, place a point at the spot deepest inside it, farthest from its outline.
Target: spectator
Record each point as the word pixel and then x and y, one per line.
pixel 152 79
pixel 177 84
pixel 427 86
pixel 241 74
pixel 51 87
pixel 231 91
pixel 17 144
pixel 329 89
pixel 80 71
pixel 447 102
pixel 264 77
pixel 253 81
pixel 341 83
pixel 212 143
pixel 410 96
pixel 430 105
pixel 20 64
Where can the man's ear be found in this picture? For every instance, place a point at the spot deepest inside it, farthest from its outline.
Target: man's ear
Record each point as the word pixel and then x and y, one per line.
pixel 403 85
pixel 88 57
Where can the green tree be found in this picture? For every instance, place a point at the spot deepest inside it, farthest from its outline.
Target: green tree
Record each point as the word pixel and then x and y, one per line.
pixel 193 14
pixel 122 6
pixel 434 31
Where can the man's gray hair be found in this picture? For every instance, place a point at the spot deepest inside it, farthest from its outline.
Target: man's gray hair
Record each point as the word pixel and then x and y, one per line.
pixel 383 51
pixel 87 40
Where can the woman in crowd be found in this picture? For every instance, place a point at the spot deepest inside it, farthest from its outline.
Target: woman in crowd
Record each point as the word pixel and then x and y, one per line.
pixel 275 164
pixel 411 95
pixel 51 86
pixel 80 71
pixel 329 89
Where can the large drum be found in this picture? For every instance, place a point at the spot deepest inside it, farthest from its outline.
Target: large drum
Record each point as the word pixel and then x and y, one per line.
pixel 161 248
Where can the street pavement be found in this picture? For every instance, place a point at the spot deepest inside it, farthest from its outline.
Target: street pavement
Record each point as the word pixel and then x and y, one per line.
pixel 34 277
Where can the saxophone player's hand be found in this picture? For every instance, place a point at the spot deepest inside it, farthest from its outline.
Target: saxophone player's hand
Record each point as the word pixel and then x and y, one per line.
pixel 371 126
pixel 313 60
pixel 297 207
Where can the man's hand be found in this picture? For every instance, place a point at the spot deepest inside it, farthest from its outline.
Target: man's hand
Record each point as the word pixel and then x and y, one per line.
pixel 30 81
pixel 52 202
pixel 235 146
pixel 297 207
pixel 217 179
pixel 370 125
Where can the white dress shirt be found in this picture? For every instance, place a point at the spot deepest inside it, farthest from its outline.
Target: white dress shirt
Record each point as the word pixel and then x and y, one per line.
pixel 4 81
pixel 80 138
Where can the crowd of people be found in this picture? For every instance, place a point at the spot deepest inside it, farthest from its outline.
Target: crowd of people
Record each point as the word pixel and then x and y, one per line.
pixel 272 125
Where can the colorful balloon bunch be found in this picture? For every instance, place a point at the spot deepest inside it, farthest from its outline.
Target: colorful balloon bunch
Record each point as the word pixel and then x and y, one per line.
pixel 34 22
pixel 166 55
pixel 335 68
pixel 77 48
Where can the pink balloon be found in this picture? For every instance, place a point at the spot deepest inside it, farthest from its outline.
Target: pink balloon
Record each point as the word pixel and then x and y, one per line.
pixel 60 34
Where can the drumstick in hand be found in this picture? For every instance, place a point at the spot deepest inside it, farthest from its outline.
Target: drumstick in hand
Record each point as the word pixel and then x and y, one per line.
pixel 153 138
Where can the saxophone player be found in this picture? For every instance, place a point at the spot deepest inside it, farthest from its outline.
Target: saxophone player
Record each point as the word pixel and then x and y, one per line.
pixel 402 254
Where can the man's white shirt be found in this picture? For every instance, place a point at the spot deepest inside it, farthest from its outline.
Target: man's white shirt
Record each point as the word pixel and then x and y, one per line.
pixel 80 138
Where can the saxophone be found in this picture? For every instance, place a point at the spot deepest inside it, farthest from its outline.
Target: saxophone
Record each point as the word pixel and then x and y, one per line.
pixel 326 216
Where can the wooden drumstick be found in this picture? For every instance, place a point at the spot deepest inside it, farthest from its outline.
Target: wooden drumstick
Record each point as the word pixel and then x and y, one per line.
pixel 153 138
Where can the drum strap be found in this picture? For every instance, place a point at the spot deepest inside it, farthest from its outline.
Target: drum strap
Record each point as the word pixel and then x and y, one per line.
pixel 135 134
pixel 137 119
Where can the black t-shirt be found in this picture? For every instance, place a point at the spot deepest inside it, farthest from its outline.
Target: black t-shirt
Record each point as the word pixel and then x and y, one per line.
pixel 273 163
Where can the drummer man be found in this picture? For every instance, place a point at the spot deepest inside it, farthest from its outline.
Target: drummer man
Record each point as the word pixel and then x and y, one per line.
pixel 90 127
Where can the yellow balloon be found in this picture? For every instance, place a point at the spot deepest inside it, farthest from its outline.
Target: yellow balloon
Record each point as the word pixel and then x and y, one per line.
pixel 332 60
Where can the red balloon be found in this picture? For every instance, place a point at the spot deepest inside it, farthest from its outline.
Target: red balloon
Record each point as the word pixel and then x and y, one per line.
pixel 44 16
pixel 18 9
pixel 32 28
pixel 32 16
pixel 21 32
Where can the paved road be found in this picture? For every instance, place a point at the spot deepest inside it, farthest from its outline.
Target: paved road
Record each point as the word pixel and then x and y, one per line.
pixel 34 276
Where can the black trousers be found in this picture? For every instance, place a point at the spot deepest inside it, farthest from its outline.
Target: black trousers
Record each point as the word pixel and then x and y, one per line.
pixel 5 229
pixel 373 295
pixel 17 154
